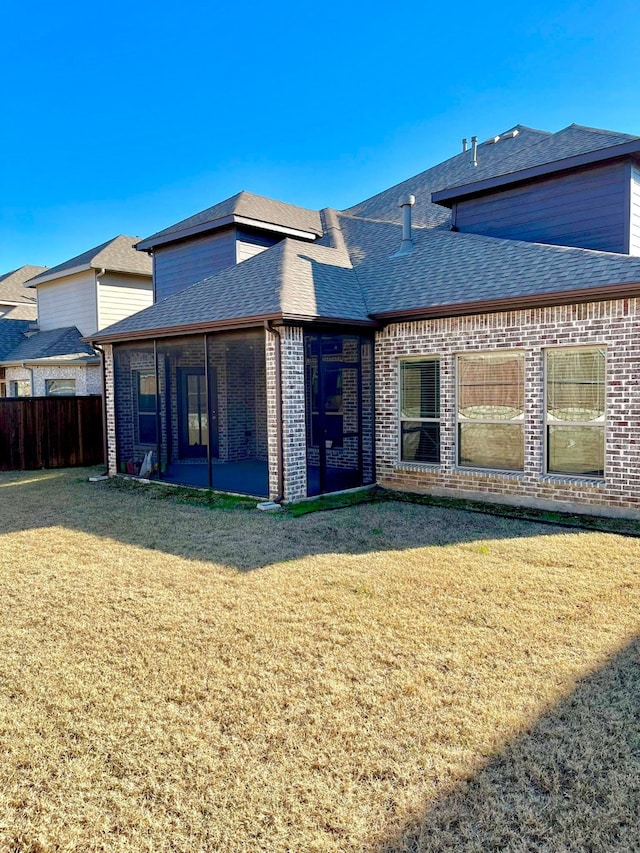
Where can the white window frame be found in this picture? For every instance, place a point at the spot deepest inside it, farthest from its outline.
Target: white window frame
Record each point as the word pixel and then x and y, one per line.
pixel 520 420
pixel 403 419
pixel 593 424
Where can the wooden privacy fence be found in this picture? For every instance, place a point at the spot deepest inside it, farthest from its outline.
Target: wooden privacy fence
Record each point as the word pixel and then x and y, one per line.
pixel 50 432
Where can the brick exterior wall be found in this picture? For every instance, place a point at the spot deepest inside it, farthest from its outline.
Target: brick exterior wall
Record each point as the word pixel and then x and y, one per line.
pixel 293 404
pixel 273 437
pixel 614 325
pixel 109 404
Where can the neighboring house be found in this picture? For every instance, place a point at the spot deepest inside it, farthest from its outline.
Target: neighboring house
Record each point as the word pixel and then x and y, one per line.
pixel 16 302
pixel 472 331
pixel 74 300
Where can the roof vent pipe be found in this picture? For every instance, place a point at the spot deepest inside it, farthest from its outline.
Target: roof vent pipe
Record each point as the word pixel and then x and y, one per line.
pixel 407 243
pixel 406 205
pixel 464 143
pixel 474 148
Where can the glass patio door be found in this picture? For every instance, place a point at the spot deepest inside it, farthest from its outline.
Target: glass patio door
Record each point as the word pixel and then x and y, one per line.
pixel 193 413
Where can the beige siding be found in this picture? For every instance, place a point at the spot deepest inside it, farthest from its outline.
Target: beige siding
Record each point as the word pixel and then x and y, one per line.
pixel 119 296
pixel 247 250
pixel 634 237
pixel 69 301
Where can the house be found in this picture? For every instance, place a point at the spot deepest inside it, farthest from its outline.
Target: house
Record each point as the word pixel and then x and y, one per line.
pixel 471 332
pixel 74 299
pixel 16 302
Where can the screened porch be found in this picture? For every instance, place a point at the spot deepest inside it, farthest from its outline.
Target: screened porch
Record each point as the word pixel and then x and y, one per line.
pixel 192 410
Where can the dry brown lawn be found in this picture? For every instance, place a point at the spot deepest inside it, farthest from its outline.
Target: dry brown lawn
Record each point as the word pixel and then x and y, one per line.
pixel 380 678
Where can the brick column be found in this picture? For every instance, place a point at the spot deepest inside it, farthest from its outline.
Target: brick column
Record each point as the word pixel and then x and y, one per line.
pixel 109 403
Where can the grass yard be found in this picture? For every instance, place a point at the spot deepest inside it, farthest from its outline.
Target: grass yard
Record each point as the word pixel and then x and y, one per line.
pixel 384 677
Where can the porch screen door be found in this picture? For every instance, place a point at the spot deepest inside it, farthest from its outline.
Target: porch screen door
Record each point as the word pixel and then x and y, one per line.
pixel 333 407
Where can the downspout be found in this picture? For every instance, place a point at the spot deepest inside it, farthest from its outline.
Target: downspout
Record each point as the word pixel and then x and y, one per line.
pixel 105 447
pixel 279 415
pixel 99 275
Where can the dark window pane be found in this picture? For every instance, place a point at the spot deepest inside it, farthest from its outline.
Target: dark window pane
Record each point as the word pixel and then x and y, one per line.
pixel 498 446
pixel 147 429
pixel 576 450
pixel 420 442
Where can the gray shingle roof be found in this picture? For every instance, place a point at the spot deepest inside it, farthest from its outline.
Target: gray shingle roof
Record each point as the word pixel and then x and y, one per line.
pixel 530 148
pixel 250 206
pixel 352 273
pixel 11 335
pixel 12 283
pixel 116 255
pixel 448 268
pixel 53 343
pixel 571 141
pixel 292 278
pixel 456 170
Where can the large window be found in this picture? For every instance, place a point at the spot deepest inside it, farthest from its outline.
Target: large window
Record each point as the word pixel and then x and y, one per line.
pixel 575 412
pixel 146 399
pixel 420 411
pixel 491 410
pixel 60 387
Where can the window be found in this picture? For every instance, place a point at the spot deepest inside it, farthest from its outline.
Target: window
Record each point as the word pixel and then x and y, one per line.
pixel 60 387
pixel 146 396
pixel 574 411
pixel 420 411
pixel 20 388
pixel 491 411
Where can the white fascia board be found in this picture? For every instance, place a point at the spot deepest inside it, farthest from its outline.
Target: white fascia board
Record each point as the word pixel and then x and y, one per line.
pixel 60 274
pixel 280 229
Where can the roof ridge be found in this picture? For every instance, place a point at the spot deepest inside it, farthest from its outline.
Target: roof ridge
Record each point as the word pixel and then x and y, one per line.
pixel 601 130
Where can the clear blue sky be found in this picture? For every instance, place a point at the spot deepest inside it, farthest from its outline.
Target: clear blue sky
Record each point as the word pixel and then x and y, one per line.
pixel 123 118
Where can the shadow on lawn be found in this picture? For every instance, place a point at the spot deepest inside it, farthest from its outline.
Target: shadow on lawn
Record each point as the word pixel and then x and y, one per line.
pixel 570 783
pixel 238 537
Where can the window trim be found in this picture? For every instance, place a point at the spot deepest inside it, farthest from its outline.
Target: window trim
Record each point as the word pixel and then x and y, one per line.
pixel 501 421
pixel 418 359
pixel 592 478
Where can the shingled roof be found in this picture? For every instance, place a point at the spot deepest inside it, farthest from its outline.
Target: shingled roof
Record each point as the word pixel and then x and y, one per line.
pixel 243 206
pixel 353 273
pixel 11 334
pixel 21 302
pixel 116 255
pixel 385 205
pixel 58 344
pixel 12 289
pixel 573 145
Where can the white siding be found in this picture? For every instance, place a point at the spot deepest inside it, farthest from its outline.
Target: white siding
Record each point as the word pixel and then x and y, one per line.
pixel 69 301
pixel 119 296
pixel 634 236
pixel 247 250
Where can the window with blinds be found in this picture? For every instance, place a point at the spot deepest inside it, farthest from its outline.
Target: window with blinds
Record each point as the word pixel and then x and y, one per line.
pixel 420 411
pixel 575 411
pixel 490 410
